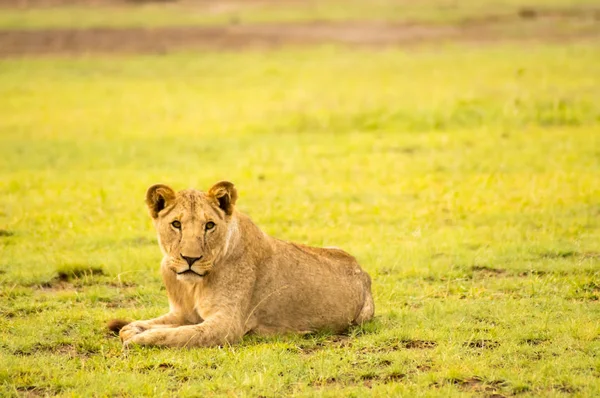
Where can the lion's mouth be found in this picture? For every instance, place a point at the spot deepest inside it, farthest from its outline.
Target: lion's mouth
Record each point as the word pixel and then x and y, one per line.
pixel 189 272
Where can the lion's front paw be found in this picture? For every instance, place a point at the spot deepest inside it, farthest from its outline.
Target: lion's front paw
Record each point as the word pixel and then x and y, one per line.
pixel 150 337
pixel 133 329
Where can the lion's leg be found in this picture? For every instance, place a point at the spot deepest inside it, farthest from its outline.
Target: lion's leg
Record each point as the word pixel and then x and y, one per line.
pixel 212 332
pixel 367 311
pixel 169 320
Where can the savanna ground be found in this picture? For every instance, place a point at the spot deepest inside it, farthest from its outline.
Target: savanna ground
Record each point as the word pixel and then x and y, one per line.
pixel 460 164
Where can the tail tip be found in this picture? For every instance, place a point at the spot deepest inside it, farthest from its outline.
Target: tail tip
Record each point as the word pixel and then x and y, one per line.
pixel 115 325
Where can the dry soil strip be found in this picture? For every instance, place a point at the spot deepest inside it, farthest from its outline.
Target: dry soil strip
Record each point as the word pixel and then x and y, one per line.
pixel 15 43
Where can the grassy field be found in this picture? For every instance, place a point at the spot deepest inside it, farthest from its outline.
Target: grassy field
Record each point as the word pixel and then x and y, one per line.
pixel 248 11
pixel 464 179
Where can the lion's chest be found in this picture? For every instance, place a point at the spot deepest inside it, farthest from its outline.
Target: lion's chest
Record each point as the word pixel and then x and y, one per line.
pixel 199 303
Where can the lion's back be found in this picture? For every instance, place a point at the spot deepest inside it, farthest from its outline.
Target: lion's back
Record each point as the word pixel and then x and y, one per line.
pixel 308 288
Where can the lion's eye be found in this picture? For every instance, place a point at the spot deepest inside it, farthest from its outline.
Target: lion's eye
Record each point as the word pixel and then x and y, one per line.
pixel 176 224
pixel 210 225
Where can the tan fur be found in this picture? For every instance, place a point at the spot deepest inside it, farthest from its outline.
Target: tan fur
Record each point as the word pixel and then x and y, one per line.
pixel 244 280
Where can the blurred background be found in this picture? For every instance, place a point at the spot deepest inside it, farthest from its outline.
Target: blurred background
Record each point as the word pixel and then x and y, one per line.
pixel 73 26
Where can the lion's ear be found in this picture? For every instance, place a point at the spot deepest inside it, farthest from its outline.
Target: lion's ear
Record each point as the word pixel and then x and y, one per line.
pixel 225 194
pixel 158 197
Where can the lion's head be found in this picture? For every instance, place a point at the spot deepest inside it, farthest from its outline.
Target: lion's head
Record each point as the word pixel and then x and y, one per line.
pixel 193 227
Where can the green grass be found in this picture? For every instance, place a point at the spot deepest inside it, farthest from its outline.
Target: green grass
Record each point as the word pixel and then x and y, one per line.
pixel 207 13
pixel 464 179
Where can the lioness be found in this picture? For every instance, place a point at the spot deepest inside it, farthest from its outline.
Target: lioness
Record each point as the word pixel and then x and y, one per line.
pixel 225 277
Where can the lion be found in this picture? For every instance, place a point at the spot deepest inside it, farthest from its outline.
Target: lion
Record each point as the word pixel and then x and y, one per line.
pixel 226 278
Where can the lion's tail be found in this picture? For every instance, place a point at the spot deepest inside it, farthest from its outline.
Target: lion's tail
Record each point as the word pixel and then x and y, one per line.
pixel 115 325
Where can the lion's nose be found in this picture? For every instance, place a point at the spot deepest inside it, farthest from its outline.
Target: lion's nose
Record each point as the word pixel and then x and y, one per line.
pixel 190 260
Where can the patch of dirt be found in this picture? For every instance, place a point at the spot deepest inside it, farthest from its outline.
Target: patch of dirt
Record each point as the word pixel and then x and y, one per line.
pixel 35 391
pixel 477 384
pixel 53 3
pixel 565 388
pixel 533 272
pixel 345 341
pixel 120 284
pixel 65 349
pixel 482 343
pixel 54 285
pixel 74 271
pixel 418 344
pixel 324 382
pixel 121 302
pixel 393 377
pixel 569 254
pixel 224 5
pixel 559 254
pixel 533 342
pixel 338 341
pixel 531 14
pixel 387 271
pixel 588 291
pixel 405 150
pixel 164 366
pixel 367 379
pixel 587 255
pixel 487 271
pixel 25 4
pixel 163 40
pixel 275 35
pixel 424 368
pixel 400 345
pixel 68 275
